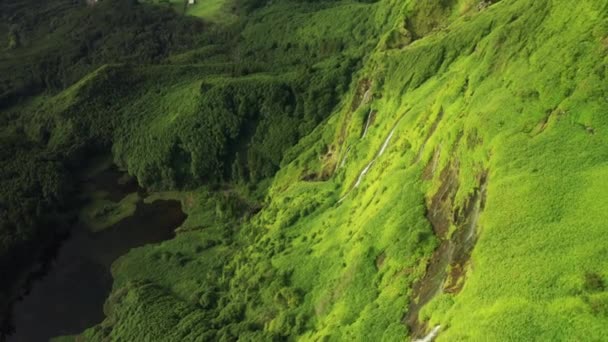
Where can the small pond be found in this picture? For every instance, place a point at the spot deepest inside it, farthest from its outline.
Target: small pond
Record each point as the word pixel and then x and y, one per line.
pixel 69 297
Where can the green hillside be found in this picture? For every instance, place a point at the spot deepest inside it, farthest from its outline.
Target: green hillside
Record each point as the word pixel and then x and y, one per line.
pixel 216 11
pixel 351 170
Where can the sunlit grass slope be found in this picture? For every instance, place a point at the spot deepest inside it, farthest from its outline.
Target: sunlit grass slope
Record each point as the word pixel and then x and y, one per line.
pixel 217 11
pixel 496 107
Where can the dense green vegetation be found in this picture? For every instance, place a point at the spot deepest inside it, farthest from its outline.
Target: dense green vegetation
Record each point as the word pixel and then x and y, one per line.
pixel 50 46
pixel 350 170
pixel 202 117
pixel 53 44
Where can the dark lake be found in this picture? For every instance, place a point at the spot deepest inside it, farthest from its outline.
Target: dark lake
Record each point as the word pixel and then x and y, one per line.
pixel 69 297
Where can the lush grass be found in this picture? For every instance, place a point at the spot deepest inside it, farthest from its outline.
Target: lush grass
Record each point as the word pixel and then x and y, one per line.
pixel 537 238
pixel 516 90
pixel 216 11
pixel 46 48
pixel 60 41
pixel 475 93
pixel 538 215
pixel 101 213
pixel 180 126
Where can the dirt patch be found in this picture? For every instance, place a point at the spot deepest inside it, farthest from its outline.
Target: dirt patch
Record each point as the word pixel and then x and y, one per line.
pixel 380 260
pixel 542 125
pixel 321 176
pixel 426 288
pixel 362 95
pixel 447 267
pixel 465 237
pixel 439 214
pixel 429 170
pixel 551 114
pixel 308 176
pixel 328 167
pixel 455 279
pixel 439 209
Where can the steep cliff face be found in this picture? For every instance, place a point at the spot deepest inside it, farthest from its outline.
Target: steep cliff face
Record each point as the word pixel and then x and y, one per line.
pixel 458 181
pixel 458 184
pixel 486 148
